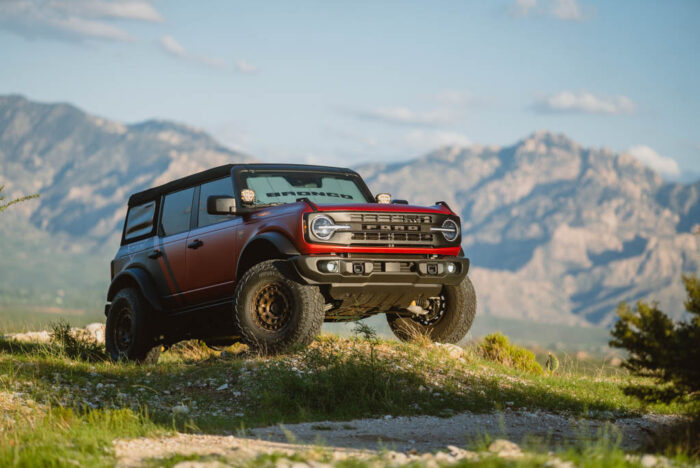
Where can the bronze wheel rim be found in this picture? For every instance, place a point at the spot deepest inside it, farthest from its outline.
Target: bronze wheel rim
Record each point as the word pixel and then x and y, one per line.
pixel 123 334
pixel 436 310
pixel 272 306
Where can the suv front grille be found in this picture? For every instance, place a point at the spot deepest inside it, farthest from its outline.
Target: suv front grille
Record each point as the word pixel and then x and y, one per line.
pixel 412 219
pixel 391 229
pixel 372 229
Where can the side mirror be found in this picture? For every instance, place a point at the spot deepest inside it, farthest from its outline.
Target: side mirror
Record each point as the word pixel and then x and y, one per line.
pixel 221 205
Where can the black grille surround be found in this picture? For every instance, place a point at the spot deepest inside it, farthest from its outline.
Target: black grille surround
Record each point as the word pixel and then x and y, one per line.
pixel 384 229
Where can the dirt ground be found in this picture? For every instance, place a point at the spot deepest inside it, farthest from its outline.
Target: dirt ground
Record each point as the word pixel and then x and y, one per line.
pixel 411 435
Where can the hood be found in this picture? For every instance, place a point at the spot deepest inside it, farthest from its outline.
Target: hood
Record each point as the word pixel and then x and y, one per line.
pixel 393 208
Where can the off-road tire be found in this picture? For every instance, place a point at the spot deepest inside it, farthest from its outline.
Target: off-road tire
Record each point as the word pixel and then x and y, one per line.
pixel 304 314
pixel 129 306
pixel 451 327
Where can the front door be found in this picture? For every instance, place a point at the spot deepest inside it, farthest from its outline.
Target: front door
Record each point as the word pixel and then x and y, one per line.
pixel 212 248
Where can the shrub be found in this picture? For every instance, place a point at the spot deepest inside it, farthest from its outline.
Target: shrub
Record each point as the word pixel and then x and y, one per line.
pixel 658 348
pixel 496 347
pixel 73 346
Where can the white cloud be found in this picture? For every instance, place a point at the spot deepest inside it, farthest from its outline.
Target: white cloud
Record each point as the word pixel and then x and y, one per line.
pixel 429 140
pixel 174 48
pixel 522 7
pixel 75 20
pixel 170 45
pixel 662 164
pixel 124 9
pixel 451 97
pixel 245 67
pixel 406 116
pixel 565 10
pixel 568 10
pixel 585 102
pixel 354 137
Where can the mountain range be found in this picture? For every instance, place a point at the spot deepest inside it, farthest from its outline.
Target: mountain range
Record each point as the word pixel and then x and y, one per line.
pixel 556 232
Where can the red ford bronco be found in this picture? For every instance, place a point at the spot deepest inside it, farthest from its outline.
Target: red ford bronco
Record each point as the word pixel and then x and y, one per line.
pixel 264 254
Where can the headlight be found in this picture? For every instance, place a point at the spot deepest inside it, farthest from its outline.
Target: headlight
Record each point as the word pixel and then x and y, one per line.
pixel 323 227
pixel 449 230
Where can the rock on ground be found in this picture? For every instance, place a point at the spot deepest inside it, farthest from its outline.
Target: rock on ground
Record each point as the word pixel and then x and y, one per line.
pixel 92 332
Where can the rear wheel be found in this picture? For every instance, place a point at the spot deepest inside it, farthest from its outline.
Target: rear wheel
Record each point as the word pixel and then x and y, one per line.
pixel 273 311
pixel 128 334
pixel 449 318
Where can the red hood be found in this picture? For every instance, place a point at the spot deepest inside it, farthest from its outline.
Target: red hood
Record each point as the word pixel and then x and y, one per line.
pixel 394 208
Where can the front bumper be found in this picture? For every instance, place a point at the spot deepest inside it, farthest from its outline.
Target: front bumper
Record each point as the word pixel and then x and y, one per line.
pixel 371 271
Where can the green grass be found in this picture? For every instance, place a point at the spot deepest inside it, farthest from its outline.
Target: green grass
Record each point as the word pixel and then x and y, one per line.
pixel 17 318
pixel 65 437
pixel 52 398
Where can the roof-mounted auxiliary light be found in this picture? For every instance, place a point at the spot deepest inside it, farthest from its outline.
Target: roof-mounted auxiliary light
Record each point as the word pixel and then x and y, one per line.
pixel 248 196
pixel 383 198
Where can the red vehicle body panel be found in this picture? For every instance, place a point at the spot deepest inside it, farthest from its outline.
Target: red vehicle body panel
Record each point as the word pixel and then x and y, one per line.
pixel 287 220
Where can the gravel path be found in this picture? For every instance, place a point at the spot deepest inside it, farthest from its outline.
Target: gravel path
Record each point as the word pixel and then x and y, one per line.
pixel 419 434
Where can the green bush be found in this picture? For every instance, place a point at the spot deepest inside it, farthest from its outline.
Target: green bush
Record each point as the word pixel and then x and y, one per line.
pixel 496 347
pixel 75 347
pixel 661 349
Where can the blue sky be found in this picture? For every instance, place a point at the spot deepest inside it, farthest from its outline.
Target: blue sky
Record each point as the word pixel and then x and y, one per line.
pixel 346 82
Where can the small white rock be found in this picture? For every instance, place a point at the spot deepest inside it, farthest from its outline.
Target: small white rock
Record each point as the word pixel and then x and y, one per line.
pixel 648 461
pixel 222 387
pixel 180 409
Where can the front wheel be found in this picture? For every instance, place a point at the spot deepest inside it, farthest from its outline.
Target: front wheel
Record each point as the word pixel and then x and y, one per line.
pixel 128 334
pixel 273 311
pixel 449 316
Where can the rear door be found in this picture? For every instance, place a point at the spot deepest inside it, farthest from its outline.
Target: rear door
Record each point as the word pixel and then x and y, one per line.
pixel 169 265
pixel 212 248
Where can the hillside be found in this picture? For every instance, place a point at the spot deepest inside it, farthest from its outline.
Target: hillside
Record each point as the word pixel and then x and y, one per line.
pixel 56 250
pixel 556 232
pixel 355 402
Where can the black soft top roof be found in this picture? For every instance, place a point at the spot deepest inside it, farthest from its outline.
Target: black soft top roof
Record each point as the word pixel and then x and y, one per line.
pixel 222 171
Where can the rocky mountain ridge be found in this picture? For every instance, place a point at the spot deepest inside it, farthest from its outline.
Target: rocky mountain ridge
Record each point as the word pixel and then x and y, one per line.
pixel 556 232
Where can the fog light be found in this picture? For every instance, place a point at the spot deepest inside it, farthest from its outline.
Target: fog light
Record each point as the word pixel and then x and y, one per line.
pixel 330 267
pixel 451 267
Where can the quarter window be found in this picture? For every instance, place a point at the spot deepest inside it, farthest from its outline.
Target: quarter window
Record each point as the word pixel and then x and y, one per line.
pixel 177 207
pixel 221 187
pixel 139 221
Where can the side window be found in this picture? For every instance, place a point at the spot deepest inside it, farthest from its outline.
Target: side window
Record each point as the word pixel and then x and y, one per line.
pixel 139 220
pixel 222 187
pixel 176 212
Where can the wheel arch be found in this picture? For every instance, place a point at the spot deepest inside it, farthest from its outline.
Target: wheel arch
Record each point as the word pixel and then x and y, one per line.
pixel 265 246
pixel 141 280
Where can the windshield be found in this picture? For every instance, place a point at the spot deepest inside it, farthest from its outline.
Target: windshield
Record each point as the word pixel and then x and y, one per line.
pixel 321 188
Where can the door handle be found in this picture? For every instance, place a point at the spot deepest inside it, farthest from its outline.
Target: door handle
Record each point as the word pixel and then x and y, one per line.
pixel 195 244
pixel 155 254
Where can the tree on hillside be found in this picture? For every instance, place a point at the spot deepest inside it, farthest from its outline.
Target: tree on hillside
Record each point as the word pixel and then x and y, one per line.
pixel 660 348
pixel 5 205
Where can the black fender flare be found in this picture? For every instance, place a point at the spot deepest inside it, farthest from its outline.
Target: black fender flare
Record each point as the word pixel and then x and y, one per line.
pixel 142 280
pixel 281 242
